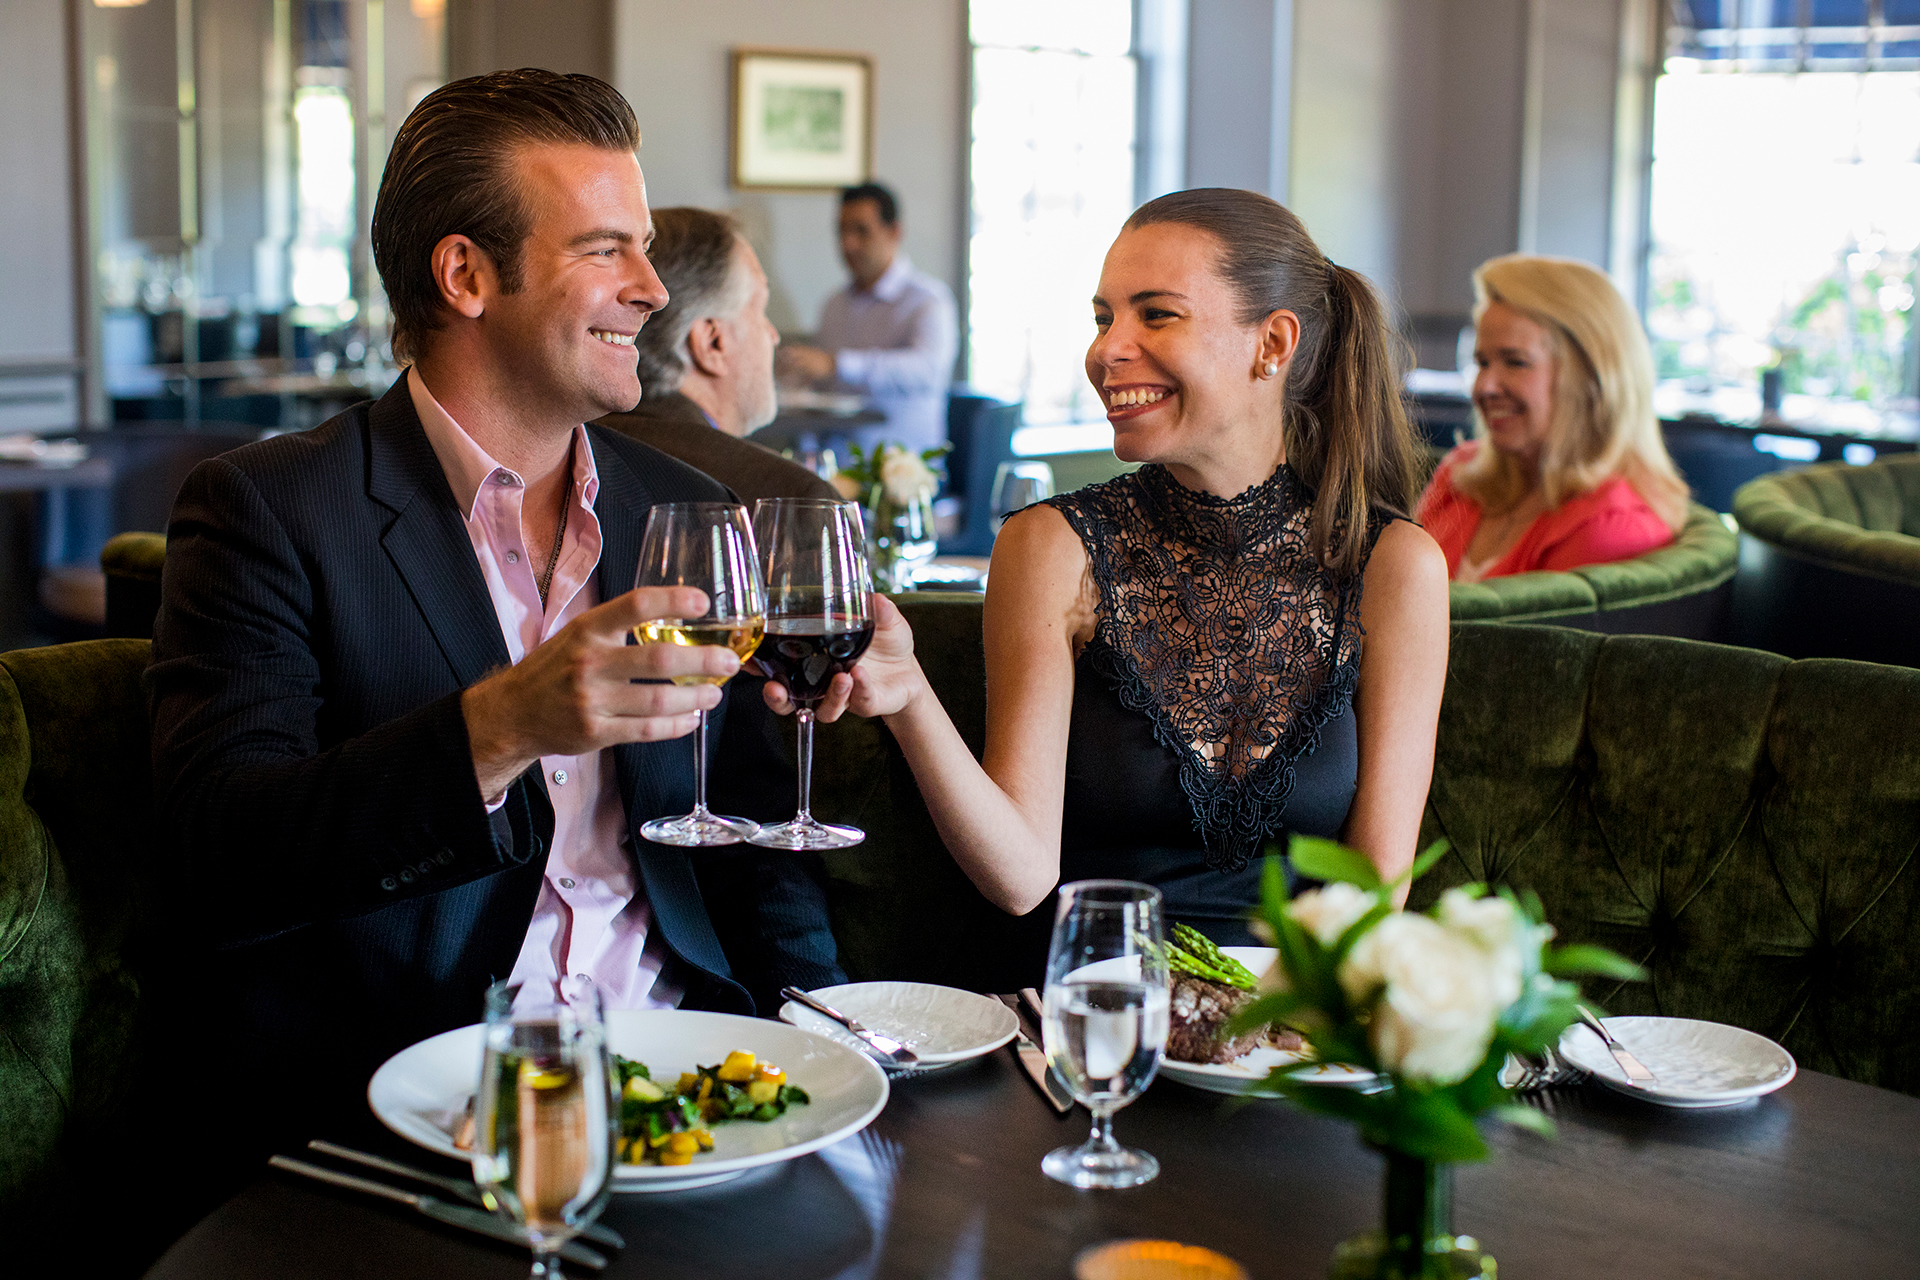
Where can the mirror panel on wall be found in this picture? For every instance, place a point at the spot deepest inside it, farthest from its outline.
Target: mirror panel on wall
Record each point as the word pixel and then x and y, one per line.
pixel 233 149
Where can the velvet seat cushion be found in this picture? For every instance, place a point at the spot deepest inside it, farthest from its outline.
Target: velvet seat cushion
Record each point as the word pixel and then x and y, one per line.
pixel 1715 813
pixel 1865 519
pixel 76 914
pixel 1701 557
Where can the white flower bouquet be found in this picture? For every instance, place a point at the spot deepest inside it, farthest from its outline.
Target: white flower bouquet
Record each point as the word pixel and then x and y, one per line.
pixel 896 486
pixel 1432 1002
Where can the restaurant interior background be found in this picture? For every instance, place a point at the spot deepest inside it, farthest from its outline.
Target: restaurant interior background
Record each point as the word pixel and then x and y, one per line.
pixel 184 261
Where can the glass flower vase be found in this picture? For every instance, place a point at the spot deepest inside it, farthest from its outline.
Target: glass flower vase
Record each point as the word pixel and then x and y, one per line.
pixel 901 540
pixel 1416 1239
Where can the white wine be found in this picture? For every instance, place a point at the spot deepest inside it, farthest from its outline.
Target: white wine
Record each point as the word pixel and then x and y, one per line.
pixel 1105 1038
pixel 742 636
pixel 543 1140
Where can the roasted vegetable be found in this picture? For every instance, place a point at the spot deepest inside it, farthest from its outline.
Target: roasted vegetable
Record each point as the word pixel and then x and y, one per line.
pixel 669 1128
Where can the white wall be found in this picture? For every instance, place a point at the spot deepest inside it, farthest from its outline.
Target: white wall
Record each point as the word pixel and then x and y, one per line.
pixel 671 60
pixel 1345 176
pixel 36 194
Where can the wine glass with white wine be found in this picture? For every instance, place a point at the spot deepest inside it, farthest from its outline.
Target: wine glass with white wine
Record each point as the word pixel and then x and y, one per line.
pixel 544 1119
pixel 708 545
pixel 1105 1019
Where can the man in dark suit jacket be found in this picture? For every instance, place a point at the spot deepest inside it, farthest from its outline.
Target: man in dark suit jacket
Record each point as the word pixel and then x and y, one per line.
pixel 364 717
pixel 706 360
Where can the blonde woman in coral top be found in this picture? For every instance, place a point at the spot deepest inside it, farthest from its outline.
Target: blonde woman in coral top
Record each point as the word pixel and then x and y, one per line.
pixel 1567 466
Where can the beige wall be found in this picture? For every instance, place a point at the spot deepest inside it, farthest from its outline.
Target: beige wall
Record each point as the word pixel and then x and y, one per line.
pixel 671 59
pixel 36 197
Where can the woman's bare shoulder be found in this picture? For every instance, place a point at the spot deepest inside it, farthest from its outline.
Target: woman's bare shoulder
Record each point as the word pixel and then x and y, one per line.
pixel 1405 558
pixel 1039 570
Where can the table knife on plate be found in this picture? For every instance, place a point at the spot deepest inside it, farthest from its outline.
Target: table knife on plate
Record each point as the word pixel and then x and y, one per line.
pixel 1636 1073
pixel 597 1232
pixel 478 1221
pixel 1033 1060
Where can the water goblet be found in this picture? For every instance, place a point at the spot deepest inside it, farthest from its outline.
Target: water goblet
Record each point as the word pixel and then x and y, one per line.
pixel 1017 485
pixel 1104 1019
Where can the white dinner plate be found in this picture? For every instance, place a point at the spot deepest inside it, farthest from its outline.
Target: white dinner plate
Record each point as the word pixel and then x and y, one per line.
pixel 942 1025
pixel 421 1092
pixel 1695 1064
pixel 1253 1066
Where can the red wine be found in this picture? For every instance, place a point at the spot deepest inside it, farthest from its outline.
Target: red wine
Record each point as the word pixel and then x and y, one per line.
pixel 806 653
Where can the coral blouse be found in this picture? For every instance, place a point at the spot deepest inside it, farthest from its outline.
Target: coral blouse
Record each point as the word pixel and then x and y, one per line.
pixel 1613 522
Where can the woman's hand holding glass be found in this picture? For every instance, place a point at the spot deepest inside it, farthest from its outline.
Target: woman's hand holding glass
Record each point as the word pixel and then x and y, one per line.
pixel 884 681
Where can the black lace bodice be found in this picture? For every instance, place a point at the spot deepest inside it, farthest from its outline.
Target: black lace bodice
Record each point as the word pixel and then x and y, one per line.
pixel 1217 622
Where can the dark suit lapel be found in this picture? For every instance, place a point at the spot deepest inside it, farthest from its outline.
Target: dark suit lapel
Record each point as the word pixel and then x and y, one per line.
pixel 428 541
pixel 654 776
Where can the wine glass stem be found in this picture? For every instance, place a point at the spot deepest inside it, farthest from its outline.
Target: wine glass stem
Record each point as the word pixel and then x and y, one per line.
pixel 1101 1139
pixel 805 716
pixel 700 767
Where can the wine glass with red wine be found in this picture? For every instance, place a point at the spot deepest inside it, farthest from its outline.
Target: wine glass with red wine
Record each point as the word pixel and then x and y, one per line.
pixel 819 622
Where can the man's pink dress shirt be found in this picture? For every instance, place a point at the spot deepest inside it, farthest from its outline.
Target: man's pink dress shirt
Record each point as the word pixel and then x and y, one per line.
pixel 591 917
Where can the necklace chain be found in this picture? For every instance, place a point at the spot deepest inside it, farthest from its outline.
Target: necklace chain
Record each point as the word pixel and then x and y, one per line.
pixel 553 556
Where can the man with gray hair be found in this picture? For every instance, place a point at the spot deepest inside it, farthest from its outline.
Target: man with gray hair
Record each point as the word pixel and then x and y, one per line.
pixel 706 360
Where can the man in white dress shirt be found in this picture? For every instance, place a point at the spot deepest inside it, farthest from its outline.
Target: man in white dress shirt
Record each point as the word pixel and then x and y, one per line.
pixel 891 335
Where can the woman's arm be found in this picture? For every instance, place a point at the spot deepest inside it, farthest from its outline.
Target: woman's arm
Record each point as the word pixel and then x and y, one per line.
pixel 1403 670
pixel 1000 822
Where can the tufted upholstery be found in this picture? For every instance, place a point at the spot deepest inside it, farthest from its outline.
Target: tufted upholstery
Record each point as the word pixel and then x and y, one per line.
pixel 1830 561
pixel 1708 810
pixel 132 563
pixel 1682 589
pixel 75 868
pixel 1711 812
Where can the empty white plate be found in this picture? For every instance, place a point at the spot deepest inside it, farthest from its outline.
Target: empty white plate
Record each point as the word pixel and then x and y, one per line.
pixel 942 1025
pixel 1695 1064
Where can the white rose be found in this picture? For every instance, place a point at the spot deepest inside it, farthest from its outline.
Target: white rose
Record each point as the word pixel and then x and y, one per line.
pixel 1328 912
pixel 848 487
pixel 905 477
pixel 1491 924
pixel 1435 1017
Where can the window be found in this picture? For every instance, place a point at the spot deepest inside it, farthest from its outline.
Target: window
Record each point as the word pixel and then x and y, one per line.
pixel 1052 170
pixel 1785 212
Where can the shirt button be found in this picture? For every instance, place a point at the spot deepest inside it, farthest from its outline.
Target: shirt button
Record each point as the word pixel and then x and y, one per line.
pixel 560 777
pixel 513 557
pixel 565 883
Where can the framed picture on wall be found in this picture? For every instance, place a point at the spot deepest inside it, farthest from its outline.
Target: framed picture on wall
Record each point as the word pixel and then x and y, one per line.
pixel 801 121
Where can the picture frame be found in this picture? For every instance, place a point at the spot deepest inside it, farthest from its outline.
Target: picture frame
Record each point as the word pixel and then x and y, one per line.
pixel 802 121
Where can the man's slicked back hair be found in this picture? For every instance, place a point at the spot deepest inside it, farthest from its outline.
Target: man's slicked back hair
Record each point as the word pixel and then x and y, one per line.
pixel 693 253
pixel 451 172
pixel 882 198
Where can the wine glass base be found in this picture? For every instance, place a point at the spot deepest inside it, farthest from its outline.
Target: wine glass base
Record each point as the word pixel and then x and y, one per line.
pixel 1098 1170
pixel 807 835
pixel 699 831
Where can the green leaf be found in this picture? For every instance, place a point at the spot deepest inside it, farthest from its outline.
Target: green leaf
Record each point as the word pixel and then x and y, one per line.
pixel 1582 958
pixel 1525 1117
pixel 1267 1009
pixel 1433 1127
pixel 1375 914
pixel 1425 862
pixel 1321 859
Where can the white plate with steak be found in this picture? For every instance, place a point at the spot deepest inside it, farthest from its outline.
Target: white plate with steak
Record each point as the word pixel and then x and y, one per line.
pixel 1197 1056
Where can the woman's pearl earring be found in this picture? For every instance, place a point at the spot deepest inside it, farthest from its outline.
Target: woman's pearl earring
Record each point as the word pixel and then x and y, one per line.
pixel 1270 368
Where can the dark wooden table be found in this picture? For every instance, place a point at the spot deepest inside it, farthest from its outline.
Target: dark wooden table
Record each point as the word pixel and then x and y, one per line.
pixel 1820 1179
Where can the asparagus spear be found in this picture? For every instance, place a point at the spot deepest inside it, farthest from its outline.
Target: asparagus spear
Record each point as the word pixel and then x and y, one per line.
pixel 1192 952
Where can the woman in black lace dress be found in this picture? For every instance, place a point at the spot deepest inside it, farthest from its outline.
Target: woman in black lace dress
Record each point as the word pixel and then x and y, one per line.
pixel 1242 639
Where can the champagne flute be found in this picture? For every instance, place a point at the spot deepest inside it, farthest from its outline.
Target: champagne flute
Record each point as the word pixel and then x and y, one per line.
pixel 819 622
pixel 544 1119
pixel 708 545
pixel 1105 1019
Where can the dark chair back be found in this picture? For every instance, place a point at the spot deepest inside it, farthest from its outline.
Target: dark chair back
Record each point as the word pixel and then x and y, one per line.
pixel 980 429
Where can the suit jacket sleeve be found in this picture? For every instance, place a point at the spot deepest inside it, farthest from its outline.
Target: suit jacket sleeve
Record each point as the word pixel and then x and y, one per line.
pixel 768 906
pixel 273 831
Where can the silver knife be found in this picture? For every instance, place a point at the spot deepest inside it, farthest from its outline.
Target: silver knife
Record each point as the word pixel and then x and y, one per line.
pixel 1636 1073
pixel 452 1186
pixel 885 1047
pixel 1033 1061
pixel 478 1221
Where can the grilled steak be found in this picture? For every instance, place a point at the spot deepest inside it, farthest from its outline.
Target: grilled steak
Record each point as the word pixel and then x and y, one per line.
pixel 1199 1010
